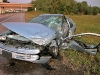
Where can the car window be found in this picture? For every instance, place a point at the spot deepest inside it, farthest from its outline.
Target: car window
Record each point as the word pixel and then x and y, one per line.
pixel 70 22
pixel 65 28
pixel 65 20
pixel 51 21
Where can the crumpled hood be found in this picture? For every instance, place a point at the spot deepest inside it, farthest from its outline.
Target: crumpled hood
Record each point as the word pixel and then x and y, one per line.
pixel 31 31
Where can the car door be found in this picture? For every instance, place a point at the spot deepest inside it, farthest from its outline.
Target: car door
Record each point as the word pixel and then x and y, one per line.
pixel 72 26
pixel 65 28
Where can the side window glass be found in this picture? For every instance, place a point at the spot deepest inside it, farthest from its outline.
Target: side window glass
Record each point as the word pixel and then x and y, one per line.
pixel 65 20
pixel 65 28
pixel 70 22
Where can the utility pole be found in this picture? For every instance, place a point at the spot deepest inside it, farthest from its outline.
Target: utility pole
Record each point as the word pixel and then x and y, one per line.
pixel 21 12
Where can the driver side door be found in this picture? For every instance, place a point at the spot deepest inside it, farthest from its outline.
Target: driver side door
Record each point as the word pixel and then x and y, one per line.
pixel 65 28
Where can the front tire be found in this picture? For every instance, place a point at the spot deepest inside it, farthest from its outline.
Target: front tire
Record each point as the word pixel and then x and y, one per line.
pixel 54 52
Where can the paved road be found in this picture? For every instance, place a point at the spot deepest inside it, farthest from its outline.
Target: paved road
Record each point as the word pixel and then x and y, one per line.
pixel 13 17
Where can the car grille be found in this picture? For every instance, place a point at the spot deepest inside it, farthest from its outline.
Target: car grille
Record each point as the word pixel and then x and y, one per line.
pixel 7 54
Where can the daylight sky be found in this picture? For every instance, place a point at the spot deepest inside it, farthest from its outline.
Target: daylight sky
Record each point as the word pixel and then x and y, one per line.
pixel 20 1
pixel 90 2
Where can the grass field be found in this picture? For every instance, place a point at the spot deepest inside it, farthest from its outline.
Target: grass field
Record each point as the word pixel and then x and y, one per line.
pixel 30 15
pixel 85 23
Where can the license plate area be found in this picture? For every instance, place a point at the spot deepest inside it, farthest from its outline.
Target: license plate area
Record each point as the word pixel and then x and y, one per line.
pixel 7 54
pixel 20 56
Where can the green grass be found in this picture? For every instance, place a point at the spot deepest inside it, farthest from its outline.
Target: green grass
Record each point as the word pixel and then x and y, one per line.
pixel 87 23
pixel 89 64
pixel 30 15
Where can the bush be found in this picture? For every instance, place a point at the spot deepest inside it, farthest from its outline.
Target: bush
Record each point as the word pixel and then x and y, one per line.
pixel 95 10
pixel 29 8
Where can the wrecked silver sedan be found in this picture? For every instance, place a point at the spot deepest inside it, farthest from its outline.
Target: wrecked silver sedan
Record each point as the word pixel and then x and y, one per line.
pixel 40 39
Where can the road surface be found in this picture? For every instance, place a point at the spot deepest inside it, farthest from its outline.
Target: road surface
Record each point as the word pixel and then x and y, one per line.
pixel 13 17
pixel 16 67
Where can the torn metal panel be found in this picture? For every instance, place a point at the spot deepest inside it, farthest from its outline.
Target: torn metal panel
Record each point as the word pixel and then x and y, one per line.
pixel 75 46
pixel 21 51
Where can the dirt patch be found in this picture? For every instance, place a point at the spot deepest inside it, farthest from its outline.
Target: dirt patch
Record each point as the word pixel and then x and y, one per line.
pixel 60 67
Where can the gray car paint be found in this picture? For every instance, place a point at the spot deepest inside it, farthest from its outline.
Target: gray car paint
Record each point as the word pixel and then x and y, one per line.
pixel 24 51
pixel 32 31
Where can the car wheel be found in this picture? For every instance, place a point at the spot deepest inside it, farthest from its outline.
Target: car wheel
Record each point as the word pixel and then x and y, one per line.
pixel 54 52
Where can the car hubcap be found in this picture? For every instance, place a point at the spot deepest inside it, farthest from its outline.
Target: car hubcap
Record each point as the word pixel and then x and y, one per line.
pixel 55 51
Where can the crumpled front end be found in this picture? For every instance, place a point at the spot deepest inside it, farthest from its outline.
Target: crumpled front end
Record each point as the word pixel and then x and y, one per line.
pixel 38 33
pixel 31 55
pixel 26 41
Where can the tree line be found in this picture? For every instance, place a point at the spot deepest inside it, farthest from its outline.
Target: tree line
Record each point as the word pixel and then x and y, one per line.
pixel 66 7
pixel 5 1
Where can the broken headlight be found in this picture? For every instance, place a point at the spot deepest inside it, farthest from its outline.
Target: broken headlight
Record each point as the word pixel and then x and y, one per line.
pixel 2 37
pixel 34 57
pixel 39 41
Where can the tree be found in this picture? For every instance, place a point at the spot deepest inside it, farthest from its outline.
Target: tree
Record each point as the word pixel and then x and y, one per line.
pixel 30 9
pixel 95 10
pixel 65 7
pixel 5 1
pixel 99 9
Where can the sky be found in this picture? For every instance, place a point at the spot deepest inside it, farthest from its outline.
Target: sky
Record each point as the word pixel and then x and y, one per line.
pixel 19 1
pixel 90 2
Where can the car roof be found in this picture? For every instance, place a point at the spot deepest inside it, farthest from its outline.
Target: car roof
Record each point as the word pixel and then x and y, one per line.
pixel 51 14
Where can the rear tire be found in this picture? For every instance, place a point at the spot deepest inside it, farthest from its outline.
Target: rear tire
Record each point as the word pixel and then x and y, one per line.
pixel 54 52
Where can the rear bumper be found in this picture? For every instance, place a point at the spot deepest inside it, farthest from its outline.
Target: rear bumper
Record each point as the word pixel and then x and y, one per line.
pixel 23 54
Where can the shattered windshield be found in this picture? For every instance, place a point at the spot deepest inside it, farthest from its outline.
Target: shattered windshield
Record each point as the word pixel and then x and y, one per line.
pixel 51 21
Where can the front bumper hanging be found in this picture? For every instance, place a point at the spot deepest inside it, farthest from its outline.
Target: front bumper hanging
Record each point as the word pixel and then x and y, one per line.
pixel 31 55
